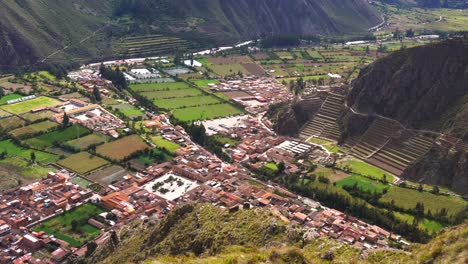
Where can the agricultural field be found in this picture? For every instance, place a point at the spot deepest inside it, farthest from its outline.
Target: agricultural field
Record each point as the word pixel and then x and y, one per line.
pixel 62 228
pixel 11 123
pixel 4 99
pixel 122 148
pixel 33 117
pixel 204 61
pixel 363 183
pixel 172 93
pixel 430 225
pixel 129 110
pixel 165 144
pixel 108 175
pixel 39 76
pixel 228 69
pixel 366 169
pixel 181 102
pixel 83 143
pixel 152 87
pixel 284 55
pixel 29 105
pixel 14 150
pixel 46 140
pixel 205 83
pixel 407 198
pixel 83 162
pixel 206 112
pixel 24 168
pixel 33 129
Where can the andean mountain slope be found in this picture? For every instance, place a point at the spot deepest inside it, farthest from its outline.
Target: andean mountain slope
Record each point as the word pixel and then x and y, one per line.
pixel 207 234
pixel 31 30
pixel 424 88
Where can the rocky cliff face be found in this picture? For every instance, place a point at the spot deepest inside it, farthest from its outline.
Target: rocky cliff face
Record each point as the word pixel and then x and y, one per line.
pixel 420 87
pixel 442 166
pixel 423 88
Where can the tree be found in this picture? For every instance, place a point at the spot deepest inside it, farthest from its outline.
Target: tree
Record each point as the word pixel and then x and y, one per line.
pixel 90 248
pixel 97 94
pixel 33 157
pixel 420 188
pixel 74 225
pixel 409 33
pixel 66 120
pixel 435 190
pixel 281 167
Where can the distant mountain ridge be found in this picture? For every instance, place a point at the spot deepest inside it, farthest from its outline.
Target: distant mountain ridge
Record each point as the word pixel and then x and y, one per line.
pixel 31 30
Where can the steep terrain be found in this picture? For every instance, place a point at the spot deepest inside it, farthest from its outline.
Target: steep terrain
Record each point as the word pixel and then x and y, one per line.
pixel 193 234
pixel 423 88
pixel 31 30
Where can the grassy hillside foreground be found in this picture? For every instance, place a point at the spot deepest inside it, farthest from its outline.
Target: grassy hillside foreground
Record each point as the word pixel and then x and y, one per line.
pixel 205 234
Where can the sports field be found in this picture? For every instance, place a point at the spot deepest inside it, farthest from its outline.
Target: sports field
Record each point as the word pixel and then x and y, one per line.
pixel 29 105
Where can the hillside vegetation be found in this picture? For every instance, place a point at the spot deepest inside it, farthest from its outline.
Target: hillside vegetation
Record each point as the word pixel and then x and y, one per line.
pixel 32 30
pixel 206 234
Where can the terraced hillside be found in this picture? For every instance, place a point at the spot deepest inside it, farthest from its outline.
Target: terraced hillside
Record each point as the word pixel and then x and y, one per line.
pixel 156 44
pixel 324 123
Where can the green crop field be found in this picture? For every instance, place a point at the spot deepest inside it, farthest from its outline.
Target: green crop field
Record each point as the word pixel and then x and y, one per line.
pixel 83 162
pixel 206 112
pixel 25 168
pixel 61 135
pixel 204 61
pixel 4 99
pixel 228 69
pixel 61 226
pixel 151 87
pixel 205 83
pixel 363 183
pixel 40 76
pixel 272 166
pixel 173 103
pixel 85 142
pixel 363 168
pixel 172 93
pixel 14 150
pixel 129 110
pixel 407 198
pixel 430 225
pixel 29 105
pixel 165 144
pixel 122 148
pixel 33 129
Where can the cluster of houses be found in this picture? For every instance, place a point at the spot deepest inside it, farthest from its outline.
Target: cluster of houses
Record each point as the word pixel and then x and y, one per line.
pixel 254 93
pixel 30 205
